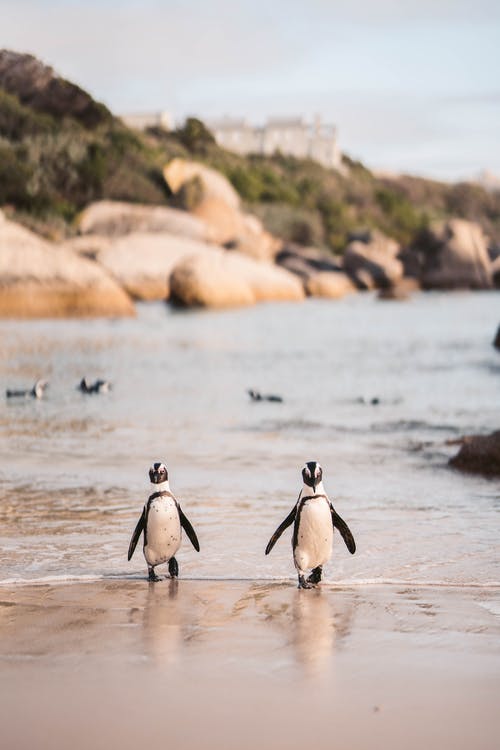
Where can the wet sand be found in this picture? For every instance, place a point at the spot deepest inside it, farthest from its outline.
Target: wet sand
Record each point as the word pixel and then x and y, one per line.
pixel 248 664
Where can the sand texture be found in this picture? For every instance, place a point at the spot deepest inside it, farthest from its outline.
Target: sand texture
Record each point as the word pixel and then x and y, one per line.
pixel 242 664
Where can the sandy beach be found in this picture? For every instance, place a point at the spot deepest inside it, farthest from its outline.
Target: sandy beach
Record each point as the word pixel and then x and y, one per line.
pixel 248 664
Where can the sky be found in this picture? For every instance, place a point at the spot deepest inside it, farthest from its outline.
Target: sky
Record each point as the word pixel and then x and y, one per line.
pixel 412 85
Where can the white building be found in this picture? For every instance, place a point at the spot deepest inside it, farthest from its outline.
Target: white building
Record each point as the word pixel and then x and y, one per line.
pixel 144 120
pixel 289 136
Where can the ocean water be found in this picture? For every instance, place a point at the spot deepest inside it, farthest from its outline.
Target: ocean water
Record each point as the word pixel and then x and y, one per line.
pixel 73 475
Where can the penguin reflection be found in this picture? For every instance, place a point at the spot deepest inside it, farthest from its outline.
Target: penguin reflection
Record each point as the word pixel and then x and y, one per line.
pixel 163 623
pixel 320 622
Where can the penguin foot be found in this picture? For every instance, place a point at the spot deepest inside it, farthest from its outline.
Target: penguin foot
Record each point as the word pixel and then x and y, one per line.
pixel 315 576
pixel 152 575
pixel 303 584
pixel 173 567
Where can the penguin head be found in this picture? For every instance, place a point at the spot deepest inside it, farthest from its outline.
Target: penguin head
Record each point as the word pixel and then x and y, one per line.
pixel 312 474
pixel 158 473
pixel 39 388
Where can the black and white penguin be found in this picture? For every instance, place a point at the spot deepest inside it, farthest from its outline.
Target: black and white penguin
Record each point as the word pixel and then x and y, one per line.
pixel 161 522
pixel 100 386
pixel 258 396
pixel 314 519
pixel 36 392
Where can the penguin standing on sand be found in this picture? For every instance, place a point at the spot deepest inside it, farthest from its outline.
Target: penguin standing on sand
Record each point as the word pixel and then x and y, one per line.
pixel 314 519
pixel 161 522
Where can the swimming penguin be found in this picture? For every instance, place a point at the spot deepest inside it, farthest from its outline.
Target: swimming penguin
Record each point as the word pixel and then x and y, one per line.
pixel 314 519
pixel 257 396
pixel 100 386
pixel 36 392
pixel 161 522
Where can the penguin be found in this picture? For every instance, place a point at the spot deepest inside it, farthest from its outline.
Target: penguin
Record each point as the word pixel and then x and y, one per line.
pixel 257 396
pixel 314 519
pixel 36 392
pixel 161 522
pixel 100 386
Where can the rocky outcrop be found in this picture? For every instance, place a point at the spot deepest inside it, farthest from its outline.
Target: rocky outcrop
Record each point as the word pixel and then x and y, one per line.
pixel 331 284
pixel 496 340
pixel 37 86
pixel 402 290
pixel 453 254
pixel 178 172
pixel 220 278
pixel 495 272
pixel 306 261
pixel 371 260
pixel 117 218
pixel 140 262
pixel 218 206
pixel 39 279
pixel 479 454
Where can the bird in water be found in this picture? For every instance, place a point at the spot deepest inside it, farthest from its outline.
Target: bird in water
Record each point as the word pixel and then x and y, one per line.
pixel 257 396
pixel 100 386
pixel 314 519
pixel 36 392
pixel 161 522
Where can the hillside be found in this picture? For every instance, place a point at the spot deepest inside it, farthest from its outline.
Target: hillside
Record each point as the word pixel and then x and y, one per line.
pixel 60 150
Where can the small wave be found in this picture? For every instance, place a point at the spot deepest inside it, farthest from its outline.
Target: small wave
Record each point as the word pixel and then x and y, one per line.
pixel 338 584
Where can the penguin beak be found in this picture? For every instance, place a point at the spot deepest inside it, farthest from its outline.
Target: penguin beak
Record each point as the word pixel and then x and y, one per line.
pixel 314 487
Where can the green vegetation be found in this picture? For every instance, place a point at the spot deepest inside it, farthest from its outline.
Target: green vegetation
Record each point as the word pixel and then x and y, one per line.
pixel 51 167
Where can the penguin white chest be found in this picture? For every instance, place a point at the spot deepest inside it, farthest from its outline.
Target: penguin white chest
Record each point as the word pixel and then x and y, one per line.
pixel 163 531
pixel 314 534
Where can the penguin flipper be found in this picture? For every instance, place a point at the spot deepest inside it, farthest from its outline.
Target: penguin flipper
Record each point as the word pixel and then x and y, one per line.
pixel 283 525
pixel 344 529
pixel 137 533
pixel 191 533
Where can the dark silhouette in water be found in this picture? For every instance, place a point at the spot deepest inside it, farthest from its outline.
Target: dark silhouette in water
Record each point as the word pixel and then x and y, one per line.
pixel 257 396
pixel 100 386
pixel 36 392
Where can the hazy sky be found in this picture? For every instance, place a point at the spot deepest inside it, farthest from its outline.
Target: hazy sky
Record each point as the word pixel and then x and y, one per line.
pixel 413 85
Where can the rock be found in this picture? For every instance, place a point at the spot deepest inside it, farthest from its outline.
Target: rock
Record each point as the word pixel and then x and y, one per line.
pixel 402 290
pixel 332 284
pixel 37 86
pixel 225 222
pixel 221 278
pixel 479 454
pixel 306 261
pixel 372 260
pixel 39 279
pixel 180 171
pixel 496 340
pixel 453 254
pixel 141 262
pixel 495 272
pixel 236 230
pixel 115 218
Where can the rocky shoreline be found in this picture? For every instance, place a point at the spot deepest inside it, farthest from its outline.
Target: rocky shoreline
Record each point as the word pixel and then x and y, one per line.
pixel 217 255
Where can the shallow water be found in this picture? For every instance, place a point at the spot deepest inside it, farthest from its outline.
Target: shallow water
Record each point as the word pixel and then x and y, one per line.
pixel 74 472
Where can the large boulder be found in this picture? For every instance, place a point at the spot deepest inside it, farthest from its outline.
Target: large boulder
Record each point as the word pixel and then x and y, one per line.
pixel 479 454
pixel 371 259
pixel 37 86
pixel 178 172
pixel 39 279
pixel 116 218
pixel 453 254
pixel 331 284
pixel 140 262
pixel 239 231
pixel 221 278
